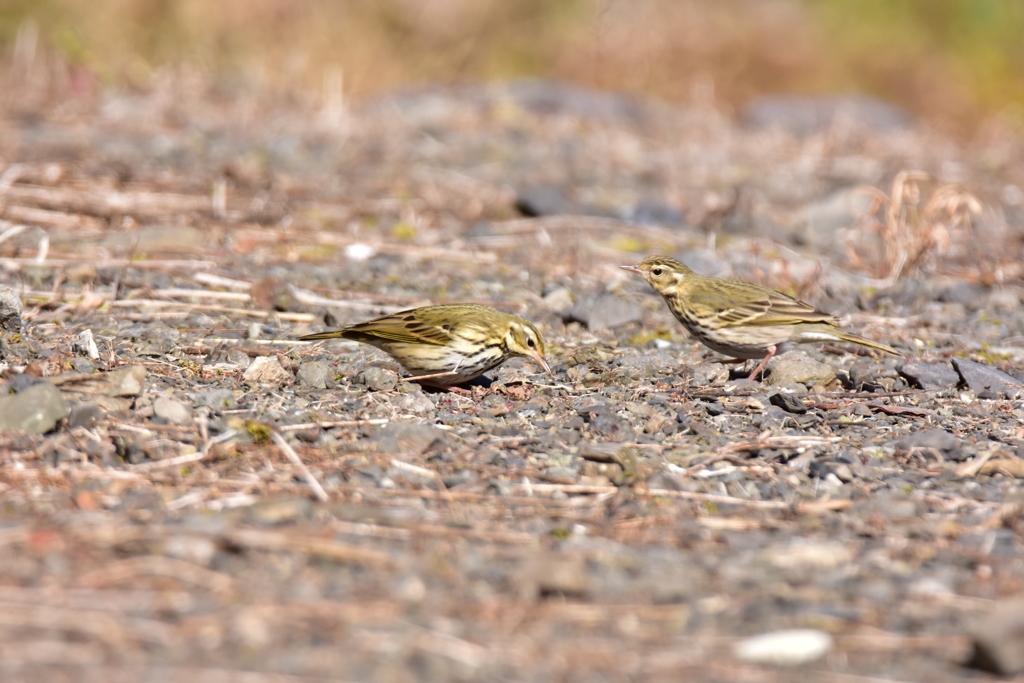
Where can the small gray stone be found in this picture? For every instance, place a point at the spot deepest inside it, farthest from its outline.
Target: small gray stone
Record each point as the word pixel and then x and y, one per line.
pixel 266 370
pixel 935 441
pixel 407 438
pixel 376 378
pixel 929 375
pixel 999 640
pixel 417 403
pixel 173 411
pixel 983 378
pixel 36 410
pixel 216 400
pixel 785 648
pixel 605 312
pixel 798 367
pixel 315 374
pixel 10 310
pixel 82 365
pixel 125 381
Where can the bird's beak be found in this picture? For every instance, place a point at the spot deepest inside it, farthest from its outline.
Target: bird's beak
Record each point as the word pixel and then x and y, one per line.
pixel 633 269
pixel 543 363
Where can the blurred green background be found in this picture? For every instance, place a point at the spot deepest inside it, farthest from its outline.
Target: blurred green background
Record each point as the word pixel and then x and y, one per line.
pixel 954 62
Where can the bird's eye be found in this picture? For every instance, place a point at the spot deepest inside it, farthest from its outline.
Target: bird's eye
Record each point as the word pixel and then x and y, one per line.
pixel 529 342
pixel 655 271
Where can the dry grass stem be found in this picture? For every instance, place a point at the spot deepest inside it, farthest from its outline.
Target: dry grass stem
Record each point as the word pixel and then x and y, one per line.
pixel 290 453
pixel 912 227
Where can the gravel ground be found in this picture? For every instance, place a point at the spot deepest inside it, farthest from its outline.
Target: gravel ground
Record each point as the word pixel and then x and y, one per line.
pixel 188 494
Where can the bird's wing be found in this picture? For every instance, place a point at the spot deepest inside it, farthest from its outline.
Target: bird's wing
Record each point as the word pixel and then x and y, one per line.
pixel 751 304
pixel 403 328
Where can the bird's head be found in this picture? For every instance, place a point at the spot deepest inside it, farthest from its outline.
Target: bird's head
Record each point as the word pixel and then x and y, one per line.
pixel 523 339
pixel 661 272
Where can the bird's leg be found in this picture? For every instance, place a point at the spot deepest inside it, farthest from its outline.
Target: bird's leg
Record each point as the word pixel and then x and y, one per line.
pixel 760 366
pixel 437 375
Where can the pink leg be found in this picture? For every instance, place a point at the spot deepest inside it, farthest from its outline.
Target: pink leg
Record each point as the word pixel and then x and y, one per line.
pixel 760 366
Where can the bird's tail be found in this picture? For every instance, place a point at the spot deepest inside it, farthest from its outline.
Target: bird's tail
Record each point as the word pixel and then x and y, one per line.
pixel 333 334
pixel 856 339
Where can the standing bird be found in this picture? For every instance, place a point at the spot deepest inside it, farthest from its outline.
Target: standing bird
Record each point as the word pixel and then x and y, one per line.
pixel 741 319
pixel 447 344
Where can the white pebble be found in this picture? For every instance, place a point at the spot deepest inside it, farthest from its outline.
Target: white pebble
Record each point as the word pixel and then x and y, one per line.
pixel 784 648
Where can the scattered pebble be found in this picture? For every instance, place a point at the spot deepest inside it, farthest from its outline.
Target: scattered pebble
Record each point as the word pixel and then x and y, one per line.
pixel 35 410
pixel 785 648
pixel 266 370
pixel 10 310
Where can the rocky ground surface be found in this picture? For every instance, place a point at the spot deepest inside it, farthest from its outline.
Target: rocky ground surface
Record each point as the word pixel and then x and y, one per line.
pixel 189 494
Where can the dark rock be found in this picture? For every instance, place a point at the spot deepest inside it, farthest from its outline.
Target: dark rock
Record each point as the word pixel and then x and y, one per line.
pixel 84 415
pixel 980 378
pixel 806 114
pixel 35 410
pixel 315 374
pixel 929 375
pixel 998 640
pixel 788 402
pixel 605 312
pixel 543 200
pixel 83 365
pixel 936 441
pixel 10 310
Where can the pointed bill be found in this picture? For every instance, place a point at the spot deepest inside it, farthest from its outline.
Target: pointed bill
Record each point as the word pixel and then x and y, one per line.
pixel 633 269
pixel 543 363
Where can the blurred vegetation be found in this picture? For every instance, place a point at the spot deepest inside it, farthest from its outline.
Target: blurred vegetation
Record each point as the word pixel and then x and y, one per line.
pixel 952 61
